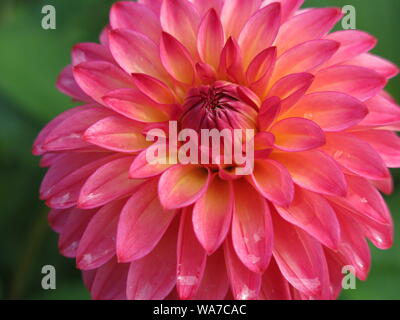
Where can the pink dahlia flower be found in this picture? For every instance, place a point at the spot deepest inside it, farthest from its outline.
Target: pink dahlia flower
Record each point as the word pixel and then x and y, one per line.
pixel 325 137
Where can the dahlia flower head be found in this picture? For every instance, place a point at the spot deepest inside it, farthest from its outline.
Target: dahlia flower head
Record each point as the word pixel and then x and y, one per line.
pixel 324 140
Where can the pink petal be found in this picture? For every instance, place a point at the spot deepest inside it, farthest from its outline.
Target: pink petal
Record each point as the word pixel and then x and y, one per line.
pixel 352 44
pixel 297 134
pixel 88 277
pixel 386 143
pixel 72 232
pixel 154 5
pixel 355 155
pixel 273 181
pixel 83 52
pixel 191 258
pixel 269 111
pixel 154 276
pixel 313 24
pixel 260 31
pixel 58 218
pixel 288 6
pixel 364 200
pixel 136 53
pixel 382 66
pixel 176 59
pixel 362 83
pixel 235 14
pixel 291 88
pixel 215 283
pixel 230 65
pixel 97 78
pixel 335 267
pixel 305 57
pixel 133 104
pixel 108 183
pixel 204 6
pixel 313 214
pixel 181 186
pixel 110 281
pixel 245 284
pixel 67 85
pixel 206 73
pixel 300 258
pixel 252 234
pixel 154 88
pixel 212 214
pixel 274 286
pixel 116 133
pixel 314 170
pixel 382 112
pixel 211 39
pixel 97 245
pixel 317 107
pixel 142 224
pixel 137 17
pixel 181 19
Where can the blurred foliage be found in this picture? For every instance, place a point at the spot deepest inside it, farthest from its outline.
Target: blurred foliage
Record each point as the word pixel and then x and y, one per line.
pixel 30 60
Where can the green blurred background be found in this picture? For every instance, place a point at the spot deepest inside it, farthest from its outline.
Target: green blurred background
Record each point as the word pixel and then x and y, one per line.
pixel 30 60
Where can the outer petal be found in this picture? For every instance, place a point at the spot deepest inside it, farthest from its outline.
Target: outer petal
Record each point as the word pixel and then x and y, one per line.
pixel 212 214
pixel 154 276
pixel 356 155
pixel 67 85
pixel 252 234
pixel 211 39
pixel 137 17
pixel 118 134
pixel 313 24
pixel 300 258
pixel 312 213
pixel 382 112
pixel 108 183
pixel 297 134
pixel 245 284
pixel 273 181
pixel 347 111
pixel 97 78
pixel 181 186
pixel 136 53
pixel 83 52
pixel 315 171
pixel 259 32
pixel 142 224
pixel 181 19
pixel 97 245
pixel 191 258
pixel 362 83
pixel 288 6
pixel 135 105
pixel 382 66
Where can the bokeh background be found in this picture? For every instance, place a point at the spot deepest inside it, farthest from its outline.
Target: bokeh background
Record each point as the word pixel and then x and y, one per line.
pixel 30 59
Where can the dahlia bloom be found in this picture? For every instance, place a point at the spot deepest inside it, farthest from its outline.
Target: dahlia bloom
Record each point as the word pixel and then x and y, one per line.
pixel 325 138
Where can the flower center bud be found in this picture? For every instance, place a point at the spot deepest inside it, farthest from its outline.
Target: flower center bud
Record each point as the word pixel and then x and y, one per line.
pixel 218 106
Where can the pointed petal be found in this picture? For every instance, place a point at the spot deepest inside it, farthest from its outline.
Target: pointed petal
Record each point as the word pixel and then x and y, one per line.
pixel 136 53
pixel 116 133
pixel 355 155
pixel 181 19
pixel 58 218
pixel 245 284
pixel 97 78
pixel 210 39
pixel 382 112
pixel 314 171
pixel 297 134
pixel 212 214
pixel 313 214
pixel 176 59
pixel 289 7
pixel 146 279
pixel 154 88
pixel 101 187
pixel 191 258
pixel 97 245
pixel 361 83
pixel 260 31
pixel 252 234
pixel 274 286
pixel 67 85
pixel 181 186
pixel 382 66
pixel 83 52
pixel 317 107
pixel 137 17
